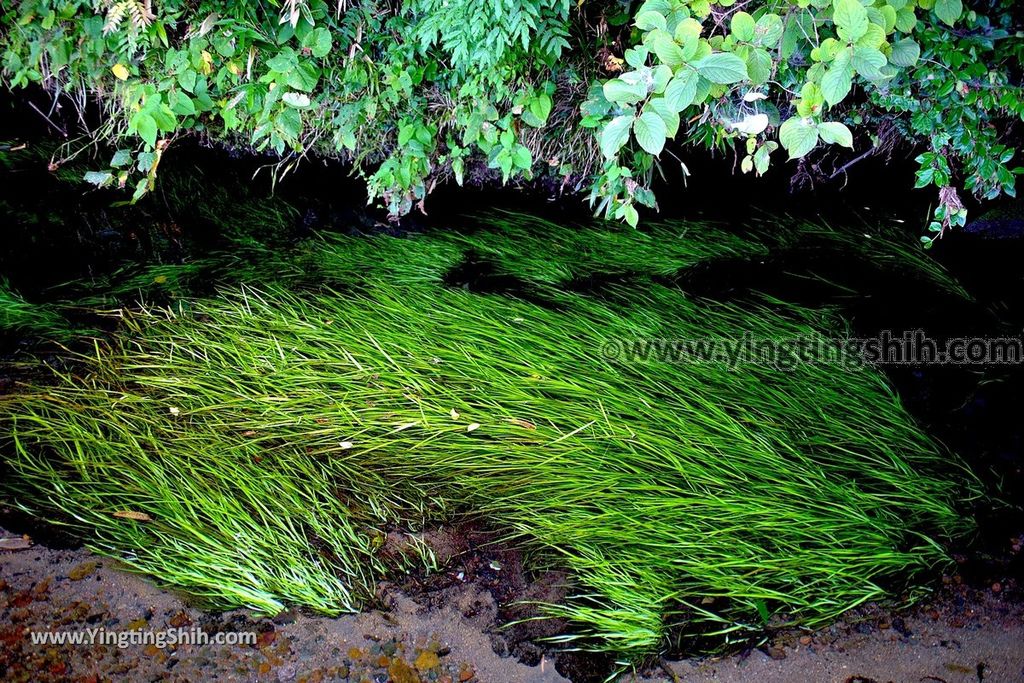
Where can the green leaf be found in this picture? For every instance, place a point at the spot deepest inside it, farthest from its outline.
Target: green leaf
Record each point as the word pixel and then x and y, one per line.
pixel 682 89
pixel 662 75
pixel 98 178
pixel 759 66
pixel 836 83
pixel 723 68
pixel 615 135
pixel 661 107
pixel 663 45
pixel 289 122
pixel 145 125
pixel 318 41
pixel 649 20
pixel 889 15
pixel 873 37
pixel 295 99
pixel 743 26
pixel 284 61
pixel 304 77
pixel 522 158
pixel 798 136
pixel 122 157
pixel 906 20
pixel 905 53
pixel 183 105
pixel 631 215
pixel 621 92
pixel 687 34
pixel 835 133
pixel 187 80
pixel 762 157
pixel 660 6
pixel 540 107
pixel 768 31
pixel 650 131
pixel 948 11
pixel 868 62
pixel 851 19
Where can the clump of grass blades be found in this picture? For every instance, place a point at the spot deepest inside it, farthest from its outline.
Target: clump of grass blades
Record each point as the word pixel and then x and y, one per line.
pixel 23 317
pixel 543 252
pixel 273 436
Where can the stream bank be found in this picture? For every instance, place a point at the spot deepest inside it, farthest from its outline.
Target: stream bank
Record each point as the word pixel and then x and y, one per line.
pixel 962 634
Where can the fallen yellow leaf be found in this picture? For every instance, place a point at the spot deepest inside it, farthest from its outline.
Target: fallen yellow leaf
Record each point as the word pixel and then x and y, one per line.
pixel 120 71
pixel 132 514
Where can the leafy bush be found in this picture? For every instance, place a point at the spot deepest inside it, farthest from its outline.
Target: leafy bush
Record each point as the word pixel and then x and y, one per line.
pixel 422 91
pixel 796 73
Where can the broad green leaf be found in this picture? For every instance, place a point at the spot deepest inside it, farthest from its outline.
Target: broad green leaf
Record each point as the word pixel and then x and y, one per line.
pixel 906 20
pixel 122 157
pixel 187 80
pixel 145 125
pixel 619 91
pixel 318 41
pixel 753 124
pixel 98 178
pixel 723 68
pixel 868 62
pixel 183 105
pixel 762 157
pixel 661 6
pixel 889 14
pixel 743 26
pixel 661 107
pixel 295 99
pixel 905 53
pixel 648 20
pixel 304 77
pixel 631 215
pixel 768 30
pixel 759 66
pixel 665 47
pixel 851 19
pixel 682 89
pixel 948 11
pixel 836 85
pixel 662 75
pixel 835 133
pixel 798 136
pixel 540 107
pixel 615 135
pixel 522 157
pixel 650 131
pixel 874 37
pixel 687 34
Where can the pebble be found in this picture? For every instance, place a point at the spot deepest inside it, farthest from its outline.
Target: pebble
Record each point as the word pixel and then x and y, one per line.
pixel 80 571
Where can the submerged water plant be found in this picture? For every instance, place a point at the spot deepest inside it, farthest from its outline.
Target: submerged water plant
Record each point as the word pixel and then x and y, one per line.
pixel 255 447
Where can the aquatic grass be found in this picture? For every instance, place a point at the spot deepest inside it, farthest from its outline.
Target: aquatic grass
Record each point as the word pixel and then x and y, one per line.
pixel 882 244
pixel 272 436
pixel 274 417
pixel 17 315
pixel 544 252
